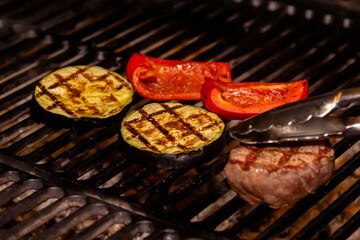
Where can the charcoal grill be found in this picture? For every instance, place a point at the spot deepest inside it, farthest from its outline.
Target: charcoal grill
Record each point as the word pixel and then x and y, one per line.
pixel 74 184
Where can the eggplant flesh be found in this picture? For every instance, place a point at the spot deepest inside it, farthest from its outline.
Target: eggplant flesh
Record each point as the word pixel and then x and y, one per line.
pixel 81 96
pixel 171 135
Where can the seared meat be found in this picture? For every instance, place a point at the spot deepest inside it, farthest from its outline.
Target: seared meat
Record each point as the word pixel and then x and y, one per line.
pixel 279 175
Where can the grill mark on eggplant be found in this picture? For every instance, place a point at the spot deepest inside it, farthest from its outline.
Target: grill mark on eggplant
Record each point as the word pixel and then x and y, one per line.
pixel 187 125
pixel 154 114
pixel 208 119
pixel 123 83
pixel 149 117
pixel 209 126
pixel 165 110
pixel 77 82
pixel 55 85
pixel 93 78
pixel 105 79
pixel 159 127
pixel 110 98
pixel 56 101
pixel 71 76
pixel 140 137
pixel 51 107
pixel 62 81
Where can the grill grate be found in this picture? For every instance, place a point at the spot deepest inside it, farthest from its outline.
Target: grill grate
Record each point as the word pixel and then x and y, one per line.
pixel 37 207
pixel 262 40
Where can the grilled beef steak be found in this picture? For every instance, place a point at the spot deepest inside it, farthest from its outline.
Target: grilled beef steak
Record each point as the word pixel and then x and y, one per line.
pixel 279 175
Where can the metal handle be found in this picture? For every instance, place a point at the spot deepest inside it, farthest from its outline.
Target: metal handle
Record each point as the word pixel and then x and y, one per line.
pixel 352 126
pixel 298 112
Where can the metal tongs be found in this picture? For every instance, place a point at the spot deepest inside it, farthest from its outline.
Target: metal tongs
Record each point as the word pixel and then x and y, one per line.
pixel 313 118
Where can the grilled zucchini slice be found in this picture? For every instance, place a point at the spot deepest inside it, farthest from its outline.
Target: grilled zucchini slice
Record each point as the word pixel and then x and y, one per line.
pixel 89 96
pixel 171 135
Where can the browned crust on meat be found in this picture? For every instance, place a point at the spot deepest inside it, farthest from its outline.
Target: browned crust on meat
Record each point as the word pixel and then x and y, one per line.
pixel 290 173
pixel 274 158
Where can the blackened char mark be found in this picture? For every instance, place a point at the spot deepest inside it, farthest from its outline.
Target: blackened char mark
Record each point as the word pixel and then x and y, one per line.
pixel 186 128
pixel 191 128
pixel 159 127
pixel 104 78
pixel 92 77
pixel 123 83
pixel 140 137
pixel 56 101
pixel 62 81
pixel 207 119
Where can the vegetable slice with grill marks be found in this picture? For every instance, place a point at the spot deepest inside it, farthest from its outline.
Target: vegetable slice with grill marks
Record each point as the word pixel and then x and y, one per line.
pixel 171 135
pixel 78 94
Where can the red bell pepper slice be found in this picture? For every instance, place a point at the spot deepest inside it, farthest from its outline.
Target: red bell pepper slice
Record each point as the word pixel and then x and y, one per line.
pixel 245 99
pixel 162 79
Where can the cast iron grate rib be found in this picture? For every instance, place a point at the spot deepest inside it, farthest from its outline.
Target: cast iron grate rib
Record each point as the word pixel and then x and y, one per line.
pixel 39 208
pixel 262 40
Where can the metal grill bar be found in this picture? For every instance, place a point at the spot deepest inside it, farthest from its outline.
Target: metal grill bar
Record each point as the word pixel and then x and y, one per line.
pixel 33 200
pixel 326 216
pixel 67 214
pixel 104 224
pixel 193 183
pixel 222 214
pixel 74 219
pixel 18 188
pixel 43 216
pixel 348 228
pixel 250 220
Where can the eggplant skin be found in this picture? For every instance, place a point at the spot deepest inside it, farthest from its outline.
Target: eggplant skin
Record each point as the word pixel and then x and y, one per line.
pixel 171 161
pixel 81 97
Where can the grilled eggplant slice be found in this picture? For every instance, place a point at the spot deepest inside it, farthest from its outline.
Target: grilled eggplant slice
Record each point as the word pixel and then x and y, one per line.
pixel 171 135
pixel 82 96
